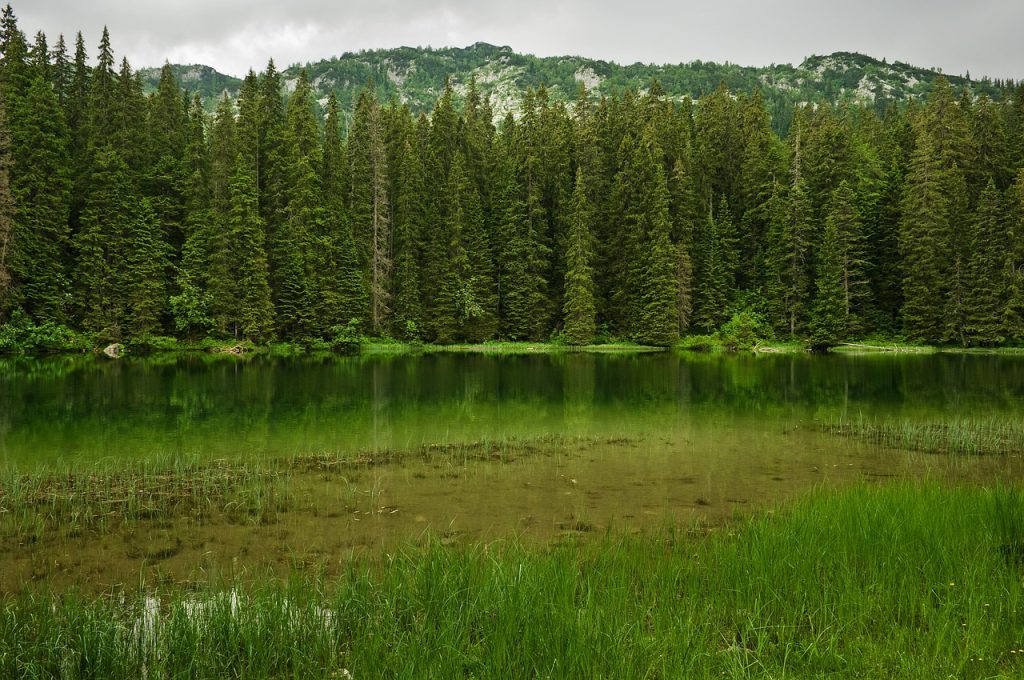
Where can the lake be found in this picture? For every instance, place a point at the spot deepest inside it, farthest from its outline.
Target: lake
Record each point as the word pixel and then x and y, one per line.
pixel 368 452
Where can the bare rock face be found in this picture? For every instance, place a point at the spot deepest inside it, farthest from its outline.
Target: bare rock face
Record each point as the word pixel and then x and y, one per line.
pixel 114 351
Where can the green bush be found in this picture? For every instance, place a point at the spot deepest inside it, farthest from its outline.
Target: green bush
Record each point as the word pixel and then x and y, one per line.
pixel 346 339
pixel 22 335
pixel 744 331
pixel 699 343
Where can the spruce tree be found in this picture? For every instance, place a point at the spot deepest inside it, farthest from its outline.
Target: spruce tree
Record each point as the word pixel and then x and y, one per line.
pixel 787 283
pixel 410 223
pixel 659 316
pixel 42 194
pixel 6 213
pixel 521 284
pixel 578 310
pixel 711 292
pixel 685 214
pixel 129 123
pixel 957 249
pixel 121 255
pixel 987 285
pixel 164 179
pixel 15 72
pixel 305 219
pixel 924 237
pixel 144 273
pixel 192 306
pixel 61 73
pixel 830 315
pixel 341 287
pixel 100 116
pixel 1013 317
pixel 719 151
pixel 369 207
pixel 251 314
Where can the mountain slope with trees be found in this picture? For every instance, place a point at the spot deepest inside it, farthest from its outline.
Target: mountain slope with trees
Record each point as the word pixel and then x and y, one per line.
pixel 416 76
pixel 636 215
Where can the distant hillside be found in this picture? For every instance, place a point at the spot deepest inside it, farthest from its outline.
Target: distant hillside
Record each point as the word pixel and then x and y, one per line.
pixel 415 76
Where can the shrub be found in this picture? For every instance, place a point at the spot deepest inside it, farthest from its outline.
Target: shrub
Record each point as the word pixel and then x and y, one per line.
pixel 744 331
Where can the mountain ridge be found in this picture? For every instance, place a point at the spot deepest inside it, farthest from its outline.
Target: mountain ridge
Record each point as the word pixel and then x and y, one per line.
pixel 415 76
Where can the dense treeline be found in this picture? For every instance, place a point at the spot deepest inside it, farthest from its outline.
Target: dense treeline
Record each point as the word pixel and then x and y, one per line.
pixel 127 216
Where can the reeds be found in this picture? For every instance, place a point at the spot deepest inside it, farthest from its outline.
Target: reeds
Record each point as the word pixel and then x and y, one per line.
pixel 907 581
pixel 995 435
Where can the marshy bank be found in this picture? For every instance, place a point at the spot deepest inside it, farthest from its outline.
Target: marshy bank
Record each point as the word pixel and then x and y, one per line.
pixel 451 514
pixel 905 580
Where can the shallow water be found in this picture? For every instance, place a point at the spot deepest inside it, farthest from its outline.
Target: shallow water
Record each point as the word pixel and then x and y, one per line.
pixel 613 443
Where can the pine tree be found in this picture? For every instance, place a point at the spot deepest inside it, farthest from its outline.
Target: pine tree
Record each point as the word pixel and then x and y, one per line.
pixel 578 310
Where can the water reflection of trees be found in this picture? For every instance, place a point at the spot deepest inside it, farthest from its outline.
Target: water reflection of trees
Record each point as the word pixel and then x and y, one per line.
pixel 279 405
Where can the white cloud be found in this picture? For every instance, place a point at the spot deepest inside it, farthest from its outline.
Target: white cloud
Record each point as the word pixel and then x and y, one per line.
pixel 233 35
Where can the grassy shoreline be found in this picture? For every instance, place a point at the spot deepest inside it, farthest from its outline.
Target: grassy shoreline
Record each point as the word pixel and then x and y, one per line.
pixel 386 346
pixel 902 581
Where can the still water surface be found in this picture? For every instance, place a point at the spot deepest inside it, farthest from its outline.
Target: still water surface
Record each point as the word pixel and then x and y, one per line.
pixel 69 408
pixel 613 443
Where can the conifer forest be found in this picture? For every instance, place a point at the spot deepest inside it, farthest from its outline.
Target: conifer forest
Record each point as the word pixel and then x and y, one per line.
pixel 462 362
pixel 637 216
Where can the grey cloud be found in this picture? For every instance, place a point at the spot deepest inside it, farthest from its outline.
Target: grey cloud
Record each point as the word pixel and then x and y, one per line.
pixel 233 35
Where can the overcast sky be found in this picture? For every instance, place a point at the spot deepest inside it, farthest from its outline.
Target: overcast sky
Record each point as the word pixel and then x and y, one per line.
pixel 982 36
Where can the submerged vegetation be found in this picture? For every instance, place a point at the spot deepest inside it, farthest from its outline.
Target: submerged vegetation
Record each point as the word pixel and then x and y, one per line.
pixel 207 516
pixel 69 500
pixel 978 436
pixel 908 581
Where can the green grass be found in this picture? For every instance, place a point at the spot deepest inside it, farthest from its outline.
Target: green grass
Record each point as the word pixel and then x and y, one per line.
pixel 994 435
pixel 906 581
pixel 713 344
pixel 376 346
